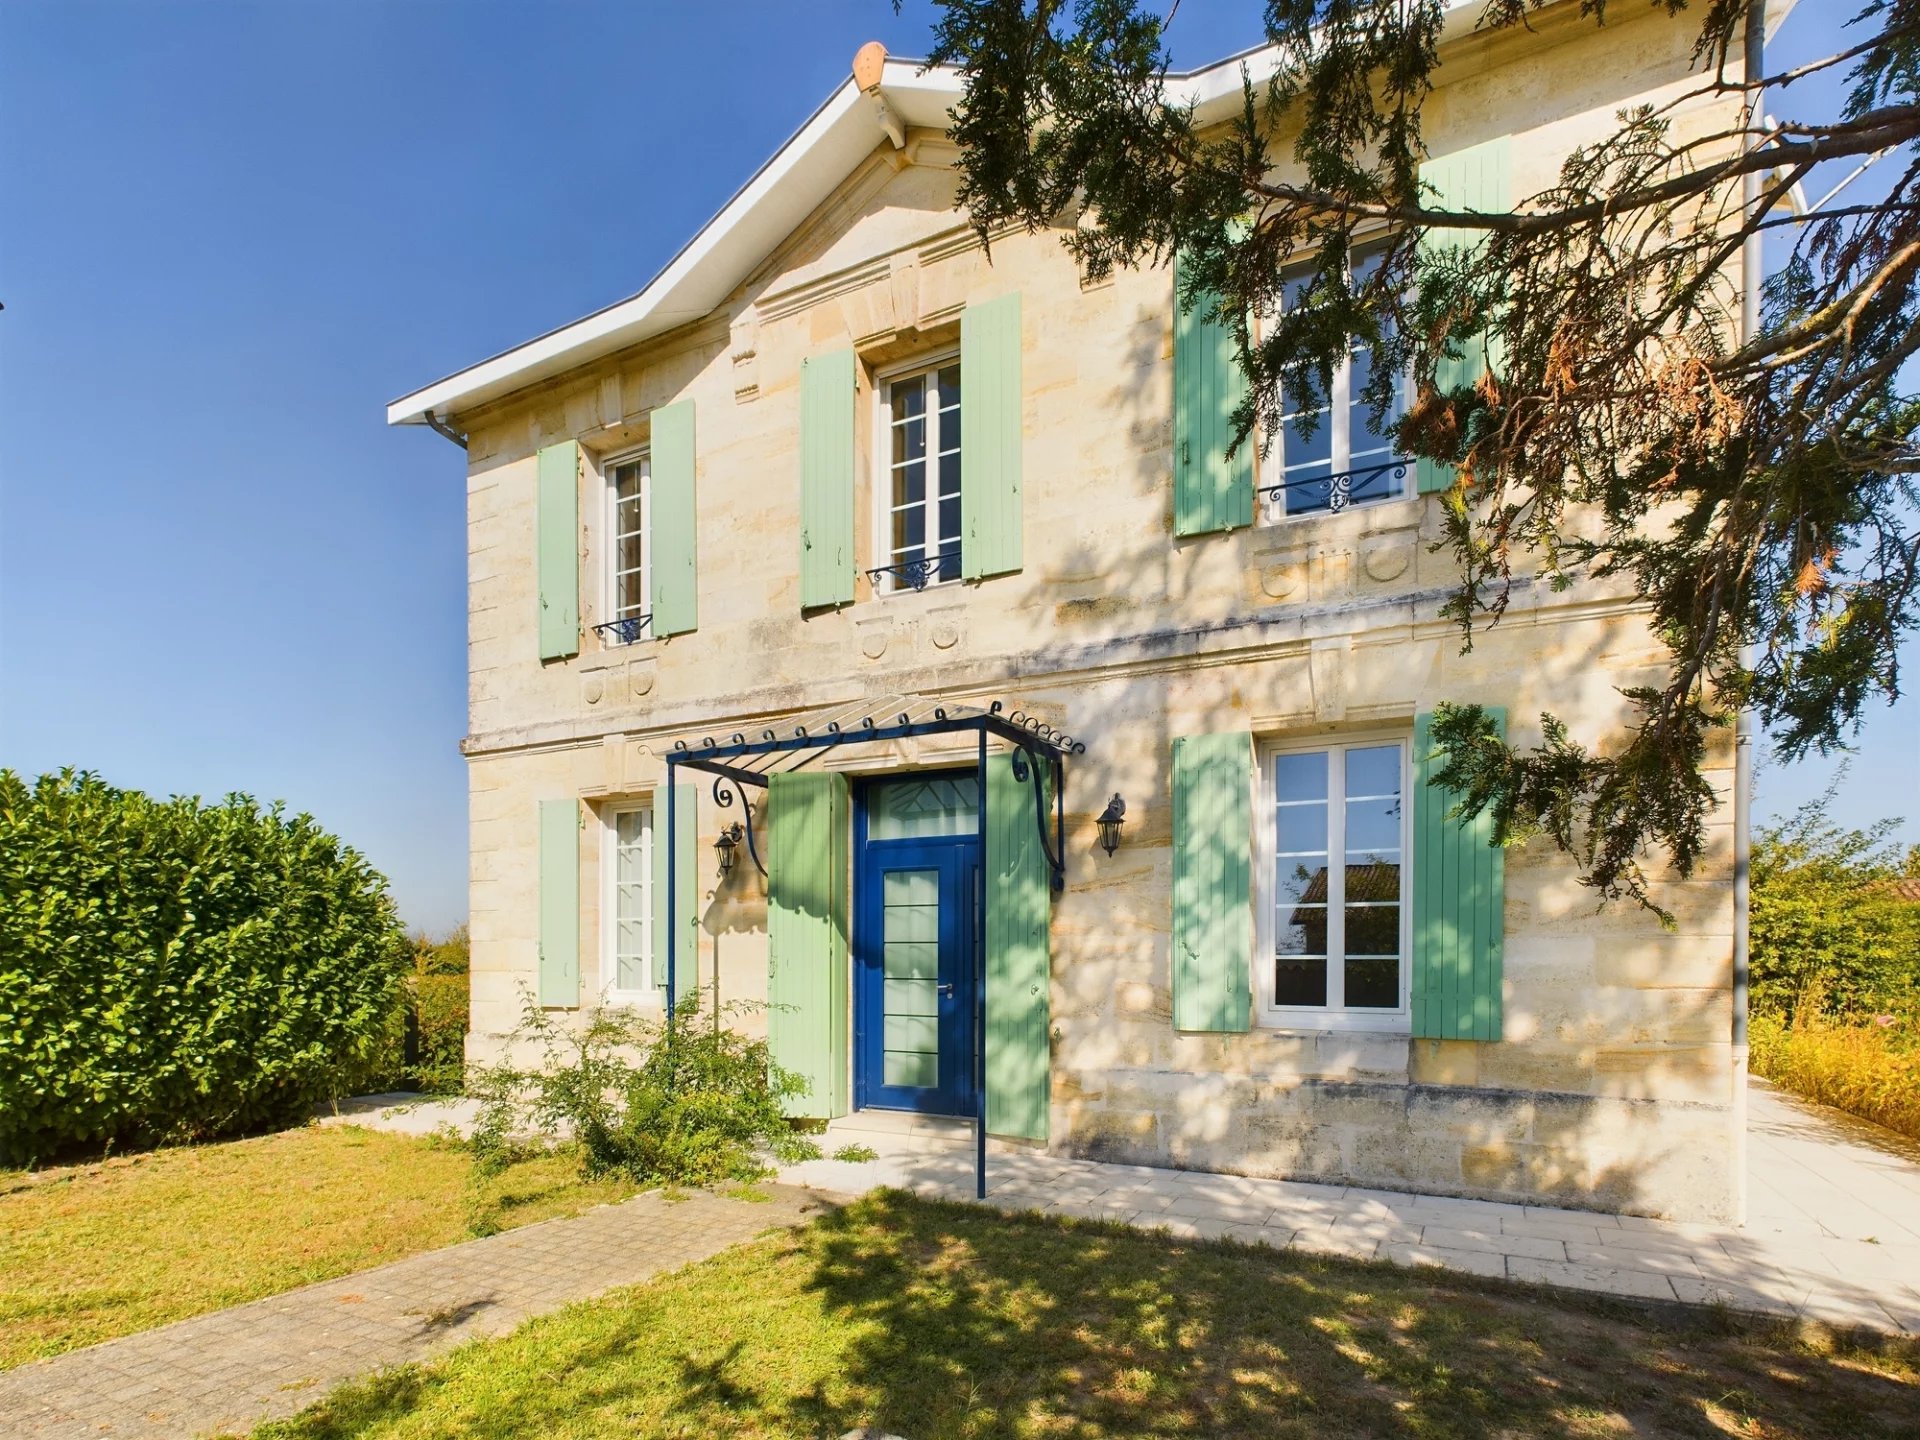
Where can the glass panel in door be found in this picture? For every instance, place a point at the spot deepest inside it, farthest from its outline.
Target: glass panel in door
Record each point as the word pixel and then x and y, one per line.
pixel 910 971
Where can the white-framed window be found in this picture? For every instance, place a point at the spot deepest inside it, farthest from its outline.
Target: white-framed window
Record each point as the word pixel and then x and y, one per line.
pixel 626 908
pixel 919 519
pixel 629 550
pixel 1346 460
pixel 1335 922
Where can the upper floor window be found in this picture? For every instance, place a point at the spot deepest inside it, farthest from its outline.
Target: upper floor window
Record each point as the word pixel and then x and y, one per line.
pixel 629 552
pixel 920 517
pixel 1345 459
pixel 1334 909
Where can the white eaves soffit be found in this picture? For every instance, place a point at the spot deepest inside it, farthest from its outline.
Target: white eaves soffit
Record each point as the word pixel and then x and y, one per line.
pixel 771 206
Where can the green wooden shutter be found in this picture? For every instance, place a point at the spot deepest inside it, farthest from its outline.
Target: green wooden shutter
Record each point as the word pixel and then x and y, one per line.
pixel 1019 904
pixel 1211 492
pixel 1459 907
pixel 826 479
pixel 557 550
pixel 671 516
pixel 1471 179
pixel 686 852
pixel 809 850
pixel 560 902
pixel 1213 881
pixel 990 519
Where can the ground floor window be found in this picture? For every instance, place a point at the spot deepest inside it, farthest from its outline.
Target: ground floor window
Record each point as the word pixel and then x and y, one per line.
pixel 1333 877
pixel 627 906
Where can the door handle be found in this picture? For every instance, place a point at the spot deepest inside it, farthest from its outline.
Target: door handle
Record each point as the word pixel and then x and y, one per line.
pixel 945 991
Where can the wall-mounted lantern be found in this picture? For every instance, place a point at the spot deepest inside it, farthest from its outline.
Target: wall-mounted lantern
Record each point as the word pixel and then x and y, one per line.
pixel 723 847
pixel 1111 819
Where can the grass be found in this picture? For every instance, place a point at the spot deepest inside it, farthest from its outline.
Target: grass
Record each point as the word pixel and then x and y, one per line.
pixel 932 1321
pixel 1864 1068
pixel 88 1252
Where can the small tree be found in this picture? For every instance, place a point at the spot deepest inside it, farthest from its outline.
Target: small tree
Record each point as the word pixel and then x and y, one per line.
pixel 693 1108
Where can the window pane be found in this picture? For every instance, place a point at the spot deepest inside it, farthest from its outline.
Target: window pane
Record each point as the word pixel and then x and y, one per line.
pixel 1373 771
pixel 909 529
pixel 909 398
pixel 1373 984
pixel 1300 777
pixel 1299 880
pixel 950 473
pixel 630 595
pixel 1373 803
pixel 1307 453
pixel 1300 830
pixel 950 519
pixel 1376 880
pixel 948 382
pixel 1373 829
pixel 1373 930
pixel 914 809
pixel 1300 982
pixel 1300 930
pixel 630 970
pixel 910 483
pixel 909 441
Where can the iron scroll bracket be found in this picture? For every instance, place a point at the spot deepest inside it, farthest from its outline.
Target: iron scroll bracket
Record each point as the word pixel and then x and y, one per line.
pixel 1026 767
pixel 724 792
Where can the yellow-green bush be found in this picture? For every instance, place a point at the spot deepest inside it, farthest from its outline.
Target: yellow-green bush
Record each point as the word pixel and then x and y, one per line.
pixel 1870 1068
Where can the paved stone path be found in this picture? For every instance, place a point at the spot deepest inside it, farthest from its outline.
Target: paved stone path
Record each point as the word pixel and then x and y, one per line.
pixel 234 1368
pixel 1833 1232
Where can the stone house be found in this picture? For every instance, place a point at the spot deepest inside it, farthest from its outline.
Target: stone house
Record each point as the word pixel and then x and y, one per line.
pixel 834 465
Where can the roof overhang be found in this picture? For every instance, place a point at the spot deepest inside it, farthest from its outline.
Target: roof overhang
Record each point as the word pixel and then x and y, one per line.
pixel 798 178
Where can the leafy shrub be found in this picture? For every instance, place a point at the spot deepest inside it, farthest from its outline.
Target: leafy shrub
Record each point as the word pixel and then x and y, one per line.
pixel 173 970
pixel 1828 933
pixel 436 1033
pixel 693 1109
pixel 424 1044
pixel 1870 1068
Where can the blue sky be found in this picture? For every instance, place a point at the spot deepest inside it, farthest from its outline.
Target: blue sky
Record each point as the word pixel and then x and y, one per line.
pixel 233 231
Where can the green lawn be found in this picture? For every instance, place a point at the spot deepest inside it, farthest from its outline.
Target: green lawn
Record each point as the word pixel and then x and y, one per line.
pixel 933 1320
pixel 88 1252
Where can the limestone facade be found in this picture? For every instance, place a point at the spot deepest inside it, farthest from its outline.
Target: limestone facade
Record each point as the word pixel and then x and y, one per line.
pixel 1614 1084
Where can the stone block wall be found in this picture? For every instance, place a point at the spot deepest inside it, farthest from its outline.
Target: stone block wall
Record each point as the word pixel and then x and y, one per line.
pixel 1612 1086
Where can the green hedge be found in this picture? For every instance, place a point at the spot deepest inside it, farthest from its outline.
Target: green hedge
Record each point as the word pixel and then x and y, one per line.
pixel 171 970
pixel 1832 940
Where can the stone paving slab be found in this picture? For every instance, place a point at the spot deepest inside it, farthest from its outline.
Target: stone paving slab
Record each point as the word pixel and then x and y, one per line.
pixel 1832 1236
pixel 232 1369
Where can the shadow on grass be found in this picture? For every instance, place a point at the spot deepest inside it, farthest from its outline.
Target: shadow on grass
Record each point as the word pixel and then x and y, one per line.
pixel 933 1320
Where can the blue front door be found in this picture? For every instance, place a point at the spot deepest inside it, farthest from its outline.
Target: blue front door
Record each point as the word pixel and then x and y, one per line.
pixel 914 890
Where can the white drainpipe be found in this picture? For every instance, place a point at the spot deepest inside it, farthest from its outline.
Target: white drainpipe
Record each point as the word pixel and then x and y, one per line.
pixel 1750 266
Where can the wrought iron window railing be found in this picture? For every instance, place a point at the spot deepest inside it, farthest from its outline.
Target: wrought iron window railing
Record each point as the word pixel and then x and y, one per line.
pixel 625 630
pixel 1334 493
pixel 918 573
